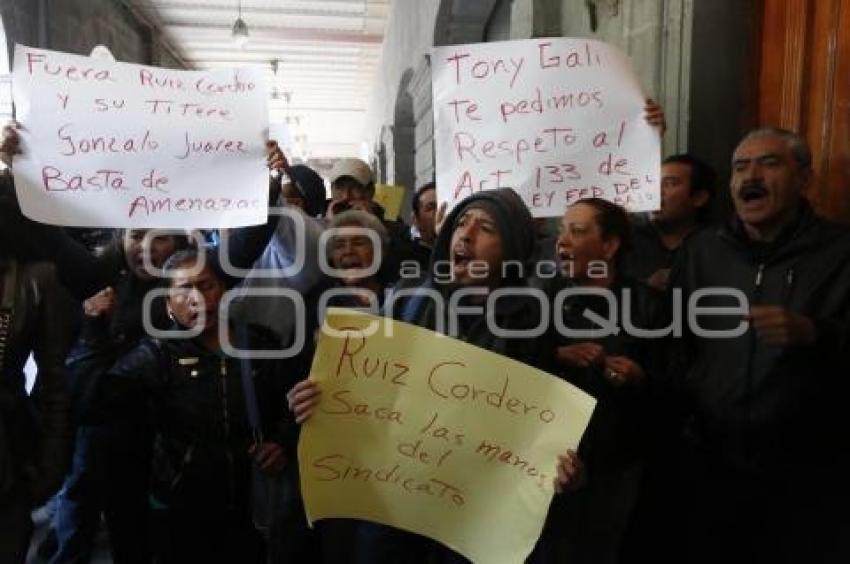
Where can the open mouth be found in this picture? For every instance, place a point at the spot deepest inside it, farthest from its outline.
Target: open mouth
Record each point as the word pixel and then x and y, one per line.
pixel 752 192
pixel 350 262
pixel 462 257
pixel 566 257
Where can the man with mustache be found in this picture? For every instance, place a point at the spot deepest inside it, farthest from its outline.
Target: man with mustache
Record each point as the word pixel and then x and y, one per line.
pixel 766 449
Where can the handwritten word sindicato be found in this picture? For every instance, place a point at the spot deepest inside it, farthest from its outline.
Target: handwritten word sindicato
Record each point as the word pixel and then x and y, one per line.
pixel 337 467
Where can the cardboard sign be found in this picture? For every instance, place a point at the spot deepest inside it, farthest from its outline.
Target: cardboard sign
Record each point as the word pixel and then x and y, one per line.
pixel 432 435
pixel 110 144
pixel 391 198
pixel 557 119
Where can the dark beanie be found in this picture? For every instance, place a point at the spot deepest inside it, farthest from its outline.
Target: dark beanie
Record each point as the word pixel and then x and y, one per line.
pixel 513 221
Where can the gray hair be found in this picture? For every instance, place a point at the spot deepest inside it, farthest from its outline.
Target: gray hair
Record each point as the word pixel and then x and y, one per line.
pixel 796 144
pixel 365 220
pixel 359 218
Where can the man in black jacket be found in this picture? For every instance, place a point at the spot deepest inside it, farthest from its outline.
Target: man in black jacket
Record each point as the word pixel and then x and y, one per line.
pixel 768 448
pixel 214 416
pixel 687 188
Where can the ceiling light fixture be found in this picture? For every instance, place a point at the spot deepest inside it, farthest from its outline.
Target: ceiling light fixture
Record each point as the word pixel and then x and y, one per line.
pixel 240 29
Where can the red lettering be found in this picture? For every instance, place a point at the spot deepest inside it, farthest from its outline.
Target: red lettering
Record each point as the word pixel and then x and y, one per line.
pixel 471 110
pixel 54 180
pixel 465 143
pixel 456 58
pixel 553 61
pixel 33 58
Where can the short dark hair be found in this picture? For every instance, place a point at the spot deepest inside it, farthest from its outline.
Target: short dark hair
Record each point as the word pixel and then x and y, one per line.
pixel 417 196
pixel 703 176
pixel 192 255
pixel 613 221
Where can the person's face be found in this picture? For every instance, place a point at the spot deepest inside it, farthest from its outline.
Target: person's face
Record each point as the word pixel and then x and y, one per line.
pixel 767 183
pixel 347 189
pixel 192 293
pixel 158 249
pixel 427 216
pixel 292 196
pixel 580 242
pixel 352 252
pixel 679 203
pixel 476 237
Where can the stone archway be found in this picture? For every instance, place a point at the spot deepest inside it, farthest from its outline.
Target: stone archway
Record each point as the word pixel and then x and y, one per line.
pixel 457 22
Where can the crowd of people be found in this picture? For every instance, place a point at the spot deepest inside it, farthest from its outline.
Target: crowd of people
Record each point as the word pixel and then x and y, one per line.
pixel 713 350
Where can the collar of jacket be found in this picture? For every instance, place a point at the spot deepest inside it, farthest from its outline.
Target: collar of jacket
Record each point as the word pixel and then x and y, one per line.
pixel 193 345
pixel 803 233
pixel 648 229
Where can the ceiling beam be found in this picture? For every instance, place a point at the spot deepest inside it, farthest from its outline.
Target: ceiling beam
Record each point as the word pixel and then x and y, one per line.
pixel 356 8
pixel 189 32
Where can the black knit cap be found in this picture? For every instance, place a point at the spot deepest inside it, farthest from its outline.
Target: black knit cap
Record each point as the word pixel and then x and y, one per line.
pixel 513 221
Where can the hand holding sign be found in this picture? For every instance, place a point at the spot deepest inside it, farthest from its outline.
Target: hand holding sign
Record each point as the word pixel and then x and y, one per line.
pixel 11 143
pixel 302 399
pixel 432 435
pixel 654 115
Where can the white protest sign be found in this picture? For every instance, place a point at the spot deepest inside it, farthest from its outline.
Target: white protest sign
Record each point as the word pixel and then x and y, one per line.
pixel 108 144
pixel 557 119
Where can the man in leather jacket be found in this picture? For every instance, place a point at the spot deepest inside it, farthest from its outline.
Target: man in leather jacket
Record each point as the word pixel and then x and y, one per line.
pixel 206 441
pixel 768 446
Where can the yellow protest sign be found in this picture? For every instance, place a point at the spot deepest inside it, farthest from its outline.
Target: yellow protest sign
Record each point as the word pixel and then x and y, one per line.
pixel 432 435
pixel 390 197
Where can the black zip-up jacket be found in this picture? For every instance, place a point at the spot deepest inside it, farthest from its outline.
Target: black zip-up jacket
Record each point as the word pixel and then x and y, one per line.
pixel 203 432
pixel 37 427
pixel 648 253
pixel 758 408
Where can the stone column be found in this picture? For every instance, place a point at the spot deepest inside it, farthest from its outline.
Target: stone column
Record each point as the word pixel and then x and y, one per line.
pixel 535 18
pixel 423 136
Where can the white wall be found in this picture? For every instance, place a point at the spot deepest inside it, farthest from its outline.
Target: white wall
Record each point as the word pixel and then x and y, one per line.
pixel 408 37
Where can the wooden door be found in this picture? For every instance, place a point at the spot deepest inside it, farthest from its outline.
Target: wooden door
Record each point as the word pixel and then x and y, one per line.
pixel 804 85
